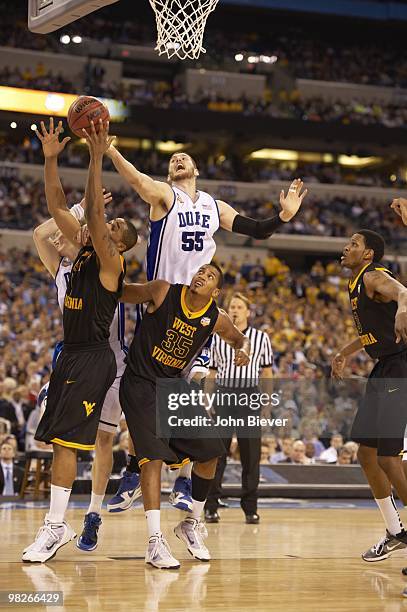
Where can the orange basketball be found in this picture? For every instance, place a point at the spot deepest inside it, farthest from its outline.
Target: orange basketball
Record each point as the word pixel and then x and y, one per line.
pixel 84 110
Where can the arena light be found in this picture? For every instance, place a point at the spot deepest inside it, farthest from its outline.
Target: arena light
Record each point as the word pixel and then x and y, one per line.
pixel 34 127
pixel 77 39
pixel 169 146
pixel 239 57
pixel 38 102
pixel 65 39
pixel 13 125
pixel 354 161
pixel 277 154
pixel 253 59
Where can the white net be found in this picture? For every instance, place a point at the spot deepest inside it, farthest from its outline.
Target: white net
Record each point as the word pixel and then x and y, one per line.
pixel 181 25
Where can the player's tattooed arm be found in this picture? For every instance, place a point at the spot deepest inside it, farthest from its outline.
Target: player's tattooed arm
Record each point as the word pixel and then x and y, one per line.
pixel 226 329
pixel 340 359
pixel 154 293
pixel 54 192
pixel 384 288
pixel 156 193
pixel 231 221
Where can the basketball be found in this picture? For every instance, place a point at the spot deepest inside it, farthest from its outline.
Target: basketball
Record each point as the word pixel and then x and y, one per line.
pixel 84 110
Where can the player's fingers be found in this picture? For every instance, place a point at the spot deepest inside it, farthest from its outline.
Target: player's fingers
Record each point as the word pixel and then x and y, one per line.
pixel 43 129
pixel 66 140
pixel 397 338
pixel 302 196
pixel 300 185
pixel 85 134
pixel 39 135
pixel 51 125
pixel 282 196
pixel 59 128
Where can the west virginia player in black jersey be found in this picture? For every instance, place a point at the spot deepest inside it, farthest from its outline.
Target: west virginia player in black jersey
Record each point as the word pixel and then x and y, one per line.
pixel 379 307
pixel 86 367
pixel 177 323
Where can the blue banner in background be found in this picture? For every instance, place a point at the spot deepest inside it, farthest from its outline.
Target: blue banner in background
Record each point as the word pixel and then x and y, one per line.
pixel 381 11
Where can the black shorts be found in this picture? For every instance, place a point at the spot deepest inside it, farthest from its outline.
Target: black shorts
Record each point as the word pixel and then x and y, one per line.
pixel 138 402
pixel 76 393
pixel 382 416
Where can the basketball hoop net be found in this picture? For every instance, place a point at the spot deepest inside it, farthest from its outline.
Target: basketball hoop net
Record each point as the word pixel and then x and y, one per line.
pixel 181 25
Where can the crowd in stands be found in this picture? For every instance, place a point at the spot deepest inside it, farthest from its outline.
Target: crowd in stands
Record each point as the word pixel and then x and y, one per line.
pixel 330 57
pixel 229 167
pixel 306 315
pixel 23 205
pixel 37 78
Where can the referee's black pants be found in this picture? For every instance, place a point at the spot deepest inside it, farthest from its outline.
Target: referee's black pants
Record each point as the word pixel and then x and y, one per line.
pixel 249 440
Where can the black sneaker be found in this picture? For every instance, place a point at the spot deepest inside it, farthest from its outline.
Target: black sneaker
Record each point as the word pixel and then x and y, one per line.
pixel 252 519
pixel 385 547
pixel 211 516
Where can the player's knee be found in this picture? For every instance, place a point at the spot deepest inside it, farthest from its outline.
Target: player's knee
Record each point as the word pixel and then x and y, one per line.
pixel 366 456
pixel 104 440
pixel 387 464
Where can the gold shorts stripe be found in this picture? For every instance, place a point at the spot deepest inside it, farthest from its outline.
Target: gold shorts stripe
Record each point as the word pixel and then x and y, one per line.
pixel 176 466
pixel 73 444
pixel 143 461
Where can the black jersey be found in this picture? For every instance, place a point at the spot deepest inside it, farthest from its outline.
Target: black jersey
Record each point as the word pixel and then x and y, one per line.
pixel 88 307
pixel 374 320
pixel 169 338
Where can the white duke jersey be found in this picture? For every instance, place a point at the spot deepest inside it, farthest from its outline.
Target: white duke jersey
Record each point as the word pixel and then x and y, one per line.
pixel 116 337
pixel 182 242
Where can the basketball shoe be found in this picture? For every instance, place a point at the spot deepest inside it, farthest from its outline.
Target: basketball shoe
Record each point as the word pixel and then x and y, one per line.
pixel 159 555
pixel 88 540
pixel 384 548
pixel 181 495
pixel 50 538
pixel 129 490
pixel 192 532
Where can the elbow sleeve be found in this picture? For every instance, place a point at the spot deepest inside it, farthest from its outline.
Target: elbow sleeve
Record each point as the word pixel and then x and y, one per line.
pixel 256 229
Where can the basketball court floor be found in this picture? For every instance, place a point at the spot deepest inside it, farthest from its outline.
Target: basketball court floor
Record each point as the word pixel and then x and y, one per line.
pixel 303 557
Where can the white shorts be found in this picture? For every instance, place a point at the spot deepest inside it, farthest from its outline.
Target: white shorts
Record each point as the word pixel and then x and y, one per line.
pixel 111 411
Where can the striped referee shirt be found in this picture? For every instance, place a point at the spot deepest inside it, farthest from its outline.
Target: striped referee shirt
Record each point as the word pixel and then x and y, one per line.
pixel 222 358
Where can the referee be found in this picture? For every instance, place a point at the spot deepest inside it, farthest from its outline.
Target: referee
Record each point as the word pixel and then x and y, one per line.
pixel 240 382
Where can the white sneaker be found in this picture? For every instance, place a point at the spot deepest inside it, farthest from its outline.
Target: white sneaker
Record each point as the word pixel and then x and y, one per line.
pixel 50 537
pixel 159 555
pixel 192 532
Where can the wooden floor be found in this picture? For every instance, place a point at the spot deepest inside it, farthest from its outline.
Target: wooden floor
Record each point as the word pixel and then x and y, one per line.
pixel 296 560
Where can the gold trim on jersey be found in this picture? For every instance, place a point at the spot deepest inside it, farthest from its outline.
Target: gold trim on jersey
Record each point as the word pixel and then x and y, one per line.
pixel 383 270
pixel 189 313
pixel 352 284
pixel 172 466
pixel 73 444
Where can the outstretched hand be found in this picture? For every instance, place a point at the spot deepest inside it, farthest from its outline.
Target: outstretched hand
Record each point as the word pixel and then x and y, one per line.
pixel 98 142
pixel 399 205
pixel 51 145
pixel 291 202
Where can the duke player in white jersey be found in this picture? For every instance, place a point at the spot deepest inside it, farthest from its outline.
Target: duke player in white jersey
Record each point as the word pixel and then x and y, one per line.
pixel 183 222
pixel 57 254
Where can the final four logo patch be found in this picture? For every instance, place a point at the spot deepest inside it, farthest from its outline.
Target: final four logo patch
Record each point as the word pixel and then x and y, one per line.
pixel 205 321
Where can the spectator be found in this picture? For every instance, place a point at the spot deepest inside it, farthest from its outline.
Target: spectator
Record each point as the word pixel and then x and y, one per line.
pixel 11 476
pixel 330 455
pixel 284 453
pixel 344 456
pixel 297 455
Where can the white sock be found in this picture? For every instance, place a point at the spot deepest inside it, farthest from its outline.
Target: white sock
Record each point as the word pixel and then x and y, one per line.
pixel 153 522
pixel 59 503
pixel 96 502
pixel 186 470
pixel 390 514
pixel 197 509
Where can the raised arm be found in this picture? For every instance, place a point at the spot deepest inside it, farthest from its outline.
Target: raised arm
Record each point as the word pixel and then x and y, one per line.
pixel 225 328
pixel 54 192
pixel 231 221
pixel 399 205
pixel 109 257
pixel 156 193
pixel 153 292
pixel 386 288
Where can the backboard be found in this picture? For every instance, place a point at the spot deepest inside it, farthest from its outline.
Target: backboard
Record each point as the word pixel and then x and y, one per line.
pixel 46 16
